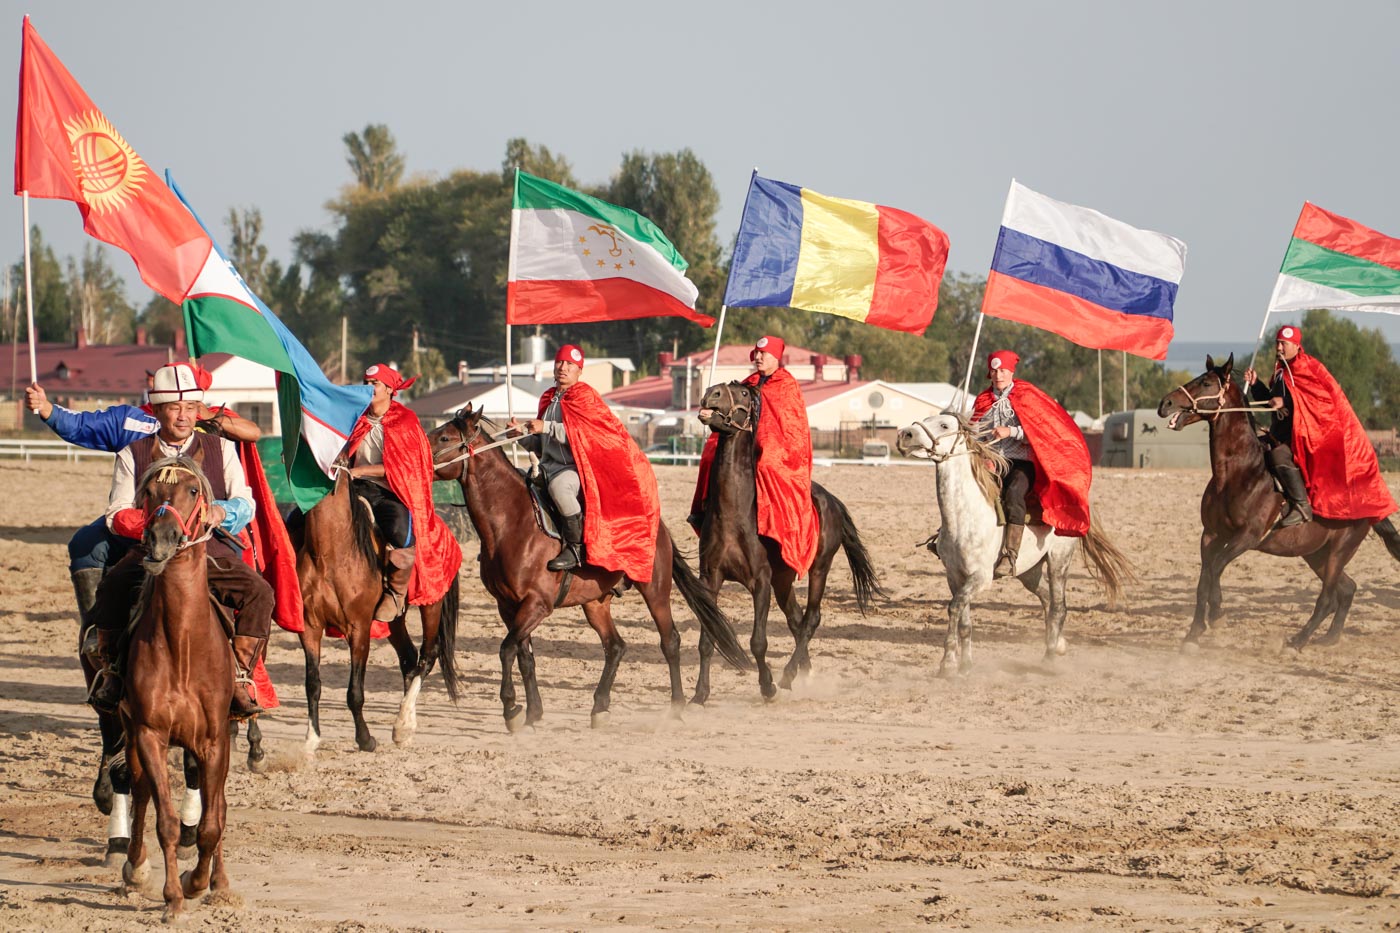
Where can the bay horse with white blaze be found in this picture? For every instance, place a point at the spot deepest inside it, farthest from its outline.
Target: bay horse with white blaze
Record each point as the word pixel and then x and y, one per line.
pixel 514 552
pixel 339 556
pixel 970 540
pixel 1240 506
pixel 732 549
pixel 179 681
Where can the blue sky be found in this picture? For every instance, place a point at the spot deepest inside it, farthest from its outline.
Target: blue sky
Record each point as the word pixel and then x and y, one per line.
pixel 1209 121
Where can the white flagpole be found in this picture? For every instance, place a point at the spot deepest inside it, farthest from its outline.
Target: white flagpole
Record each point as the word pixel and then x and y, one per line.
pixel 1262 328
pixel 719 332
pixel 1125 380
pixel 29 295
pixel 510 398
pixel 971 360
pixel 1100 383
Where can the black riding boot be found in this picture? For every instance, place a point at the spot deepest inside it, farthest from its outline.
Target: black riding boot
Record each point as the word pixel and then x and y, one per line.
pixel 1297 510
pixel 85 583
pixel 1010 550
pixel 571 554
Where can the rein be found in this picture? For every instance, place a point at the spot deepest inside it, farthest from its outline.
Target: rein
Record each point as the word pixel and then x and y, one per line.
pixel 199 512
pixel 509 438
pixel 727 418
pixel 1195 409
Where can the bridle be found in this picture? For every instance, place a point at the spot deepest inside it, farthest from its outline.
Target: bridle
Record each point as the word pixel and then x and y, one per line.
pixel 933 439
pixel 508 436
pixel 199 512
pixel 1217 398
pixel 728 419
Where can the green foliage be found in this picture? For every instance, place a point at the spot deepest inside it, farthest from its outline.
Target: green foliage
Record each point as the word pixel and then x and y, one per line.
pixel 374 158
pixel 53 318
pixel 246 250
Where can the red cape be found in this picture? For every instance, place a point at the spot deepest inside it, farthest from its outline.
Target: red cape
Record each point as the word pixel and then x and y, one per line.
pixel 1062 466
pixel 1330 447
pixel 408 466
pixel 622 508
pixel 783 474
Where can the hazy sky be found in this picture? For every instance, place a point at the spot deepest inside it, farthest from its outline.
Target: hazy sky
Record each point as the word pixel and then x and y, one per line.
pixel 1210 121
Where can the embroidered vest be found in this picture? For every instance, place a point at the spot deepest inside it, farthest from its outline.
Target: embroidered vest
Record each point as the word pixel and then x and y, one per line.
pixel 205 451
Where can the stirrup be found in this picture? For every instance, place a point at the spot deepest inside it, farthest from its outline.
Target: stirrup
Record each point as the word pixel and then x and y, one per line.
pixel 105 704
pixel 236 712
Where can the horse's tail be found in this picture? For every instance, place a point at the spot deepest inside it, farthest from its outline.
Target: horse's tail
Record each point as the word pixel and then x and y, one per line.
pixel 1386 529
pixel 1106 564
pixel 447 638
pixel 867 584
pixel 702 602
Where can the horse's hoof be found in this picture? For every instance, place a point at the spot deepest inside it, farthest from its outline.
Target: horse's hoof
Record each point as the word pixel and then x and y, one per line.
pixel 599 720
pixel 1327 640
pixel 174 912
pixel 258 765
pixel 1061 646
pixel 1190 646
pixel 136 875
pixel 188 888
pixel 368 744
pixel 403 735
pixel 515 720
pixel 770 693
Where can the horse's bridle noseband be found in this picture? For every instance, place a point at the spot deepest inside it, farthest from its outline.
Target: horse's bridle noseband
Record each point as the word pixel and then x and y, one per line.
pixel 506 437
pixel 199 512
pixel 933 440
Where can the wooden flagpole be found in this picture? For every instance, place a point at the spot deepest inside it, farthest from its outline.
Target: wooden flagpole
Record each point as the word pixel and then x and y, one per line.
pixel 29 295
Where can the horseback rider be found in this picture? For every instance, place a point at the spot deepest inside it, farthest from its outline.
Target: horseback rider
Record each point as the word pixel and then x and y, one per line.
pixel 391 468
pixel 1045 451
pixel 176 400
pixel 1317 449
pixel 94 549
pixel 584 449
pixel 783 473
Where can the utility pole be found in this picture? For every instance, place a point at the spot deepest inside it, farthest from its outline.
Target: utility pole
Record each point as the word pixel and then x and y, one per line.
pixel 344 339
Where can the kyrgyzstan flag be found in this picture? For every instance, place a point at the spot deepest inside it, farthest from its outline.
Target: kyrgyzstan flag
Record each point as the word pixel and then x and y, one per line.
pixel 65 148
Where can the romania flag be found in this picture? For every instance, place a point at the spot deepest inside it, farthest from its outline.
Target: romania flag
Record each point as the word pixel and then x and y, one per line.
pixel 800 249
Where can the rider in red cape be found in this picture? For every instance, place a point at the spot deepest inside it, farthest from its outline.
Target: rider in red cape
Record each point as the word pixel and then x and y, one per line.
pixel 401 458
pixel 783 474
pixel 622 507
pixel 1329 445
pixel 1057 449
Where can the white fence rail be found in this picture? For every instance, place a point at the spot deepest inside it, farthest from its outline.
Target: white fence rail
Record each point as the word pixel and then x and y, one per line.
pixel 663 459
pixel 47 449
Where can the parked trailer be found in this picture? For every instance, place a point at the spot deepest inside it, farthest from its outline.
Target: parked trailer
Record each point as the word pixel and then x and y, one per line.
pixel 1141 439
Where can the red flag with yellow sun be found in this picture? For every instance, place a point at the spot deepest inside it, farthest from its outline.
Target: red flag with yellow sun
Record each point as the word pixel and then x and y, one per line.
pixel 65 148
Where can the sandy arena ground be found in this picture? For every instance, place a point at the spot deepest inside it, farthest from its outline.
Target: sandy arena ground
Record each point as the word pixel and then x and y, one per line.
pixel 1131 787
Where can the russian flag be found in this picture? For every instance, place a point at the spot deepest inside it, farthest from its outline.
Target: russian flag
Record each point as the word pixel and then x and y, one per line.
pixel 1089 278
pixel 802 249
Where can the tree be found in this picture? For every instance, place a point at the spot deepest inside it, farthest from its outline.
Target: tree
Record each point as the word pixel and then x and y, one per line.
pixel 1358 359
pixel 246 250
pixel 162 318
pixel 53 318
pixel 374 158
pixel 538 161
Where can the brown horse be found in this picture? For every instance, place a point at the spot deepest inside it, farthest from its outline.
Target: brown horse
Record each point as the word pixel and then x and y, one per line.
pixel 1240 506
pixel 339 556
pixel 179 680
pixel 514 552
pixel 732 549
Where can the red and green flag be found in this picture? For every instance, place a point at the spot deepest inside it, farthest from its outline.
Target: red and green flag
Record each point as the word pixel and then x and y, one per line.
pixel 575 258
pixel 1334 262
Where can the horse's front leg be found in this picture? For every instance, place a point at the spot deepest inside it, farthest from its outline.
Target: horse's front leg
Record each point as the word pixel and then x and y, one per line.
pixel 762 590
pixel 957 641
pixel 152 750
pixel 1207 585
pixel 358 637
pixel 800 624
pixel 257 758
pixel 516 651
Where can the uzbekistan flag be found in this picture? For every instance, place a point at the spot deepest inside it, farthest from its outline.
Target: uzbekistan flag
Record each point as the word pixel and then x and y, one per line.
pixel 1089 278
pixel 223 316
pixel 65 148
pixel 800 249
pixel 1334 262
pixel 575 258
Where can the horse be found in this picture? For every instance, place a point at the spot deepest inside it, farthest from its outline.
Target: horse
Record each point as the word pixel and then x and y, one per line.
pixel 970 540
pixel 179 681
pixel 732 549
pixel 1240 506
pixel 514 552
pixel 338 563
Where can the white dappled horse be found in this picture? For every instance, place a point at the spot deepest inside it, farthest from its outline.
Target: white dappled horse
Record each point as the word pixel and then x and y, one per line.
pixel 970 540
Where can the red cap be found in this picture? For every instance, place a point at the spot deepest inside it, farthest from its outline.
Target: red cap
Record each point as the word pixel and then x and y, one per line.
pixel 1002 359
pixel 571 353
pixel 773 345
pixel 383 372
pixel 1290 332
pixel 203 377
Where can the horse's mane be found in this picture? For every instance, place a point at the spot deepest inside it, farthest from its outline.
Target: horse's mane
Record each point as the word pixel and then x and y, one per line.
pixel 362 529
pixel 981 453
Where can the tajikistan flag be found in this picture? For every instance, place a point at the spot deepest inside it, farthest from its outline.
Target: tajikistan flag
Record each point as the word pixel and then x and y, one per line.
pixel 575 258
pixel 223 316
pixel 1333 262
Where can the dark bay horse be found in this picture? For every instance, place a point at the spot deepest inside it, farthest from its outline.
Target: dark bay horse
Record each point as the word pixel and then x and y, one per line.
pixel 731 548
pixel 1240 506
pixel 514 552
pixel 179 681
pixel 339 556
